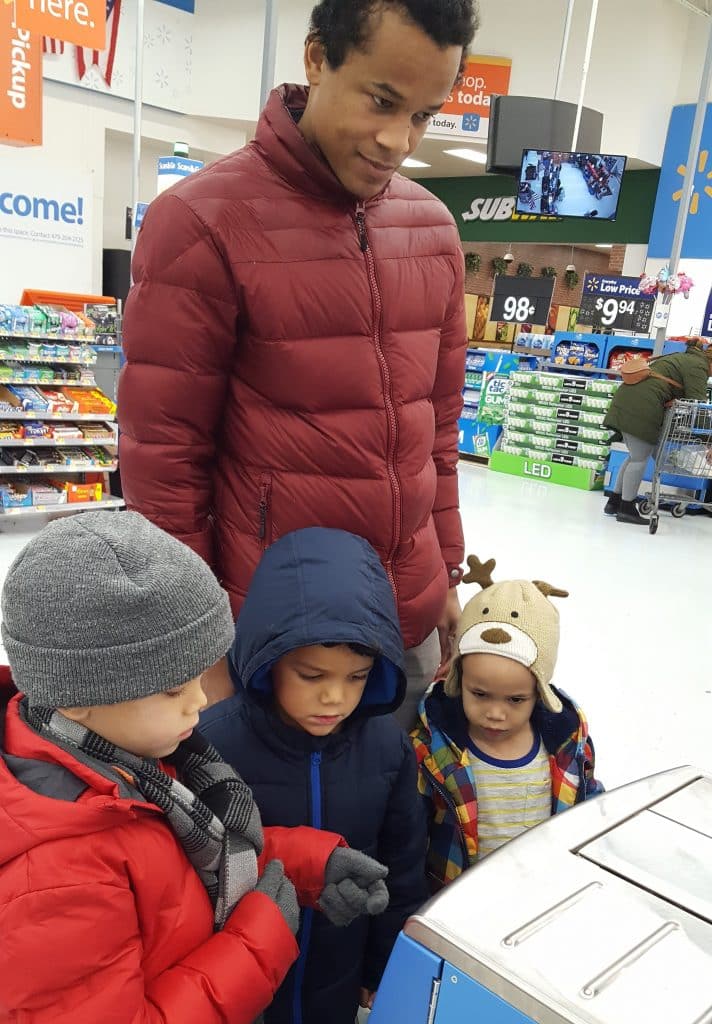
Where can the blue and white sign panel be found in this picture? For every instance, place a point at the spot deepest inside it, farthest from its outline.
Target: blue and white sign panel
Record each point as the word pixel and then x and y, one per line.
pixel 696 243
pixel 172 169
pixel 707 322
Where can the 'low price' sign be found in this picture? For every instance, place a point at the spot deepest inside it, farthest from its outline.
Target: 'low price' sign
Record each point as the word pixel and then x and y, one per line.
pixel 616 303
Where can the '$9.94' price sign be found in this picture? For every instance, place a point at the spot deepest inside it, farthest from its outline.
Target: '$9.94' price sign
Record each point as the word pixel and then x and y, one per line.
pixel 611 309
pixel 522 300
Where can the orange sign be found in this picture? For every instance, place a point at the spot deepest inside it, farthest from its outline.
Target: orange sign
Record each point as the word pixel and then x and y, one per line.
pixel 467 109
pixel 20 82
pixel 82 22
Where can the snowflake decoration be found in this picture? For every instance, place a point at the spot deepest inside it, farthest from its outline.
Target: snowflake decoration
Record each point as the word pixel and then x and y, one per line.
pixel 148 40
pixel 189 48
pixel 118 80
pixel 161 78
pixel 92 79
pixel 163 35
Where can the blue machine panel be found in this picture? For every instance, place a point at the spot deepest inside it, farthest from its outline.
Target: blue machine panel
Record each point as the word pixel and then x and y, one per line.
pixel 462 999
pixel 407 985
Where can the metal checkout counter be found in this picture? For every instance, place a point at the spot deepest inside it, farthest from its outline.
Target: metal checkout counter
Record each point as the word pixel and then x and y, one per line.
pixel 601 915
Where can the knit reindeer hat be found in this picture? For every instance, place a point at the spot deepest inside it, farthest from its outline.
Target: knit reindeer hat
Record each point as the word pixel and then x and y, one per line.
pixel 514 619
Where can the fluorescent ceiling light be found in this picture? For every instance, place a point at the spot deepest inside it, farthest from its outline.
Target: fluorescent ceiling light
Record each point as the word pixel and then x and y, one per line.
pixel 410 162
pixel 468 154
pixel 603 245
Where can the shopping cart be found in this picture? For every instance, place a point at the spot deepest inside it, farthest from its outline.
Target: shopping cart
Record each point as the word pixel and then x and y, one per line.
pixel 684 450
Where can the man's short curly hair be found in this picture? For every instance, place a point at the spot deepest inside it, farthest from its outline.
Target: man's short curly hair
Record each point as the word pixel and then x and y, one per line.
pixel 344 25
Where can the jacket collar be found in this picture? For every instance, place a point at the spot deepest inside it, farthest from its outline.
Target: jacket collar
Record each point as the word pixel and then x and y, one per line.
pixel 300 163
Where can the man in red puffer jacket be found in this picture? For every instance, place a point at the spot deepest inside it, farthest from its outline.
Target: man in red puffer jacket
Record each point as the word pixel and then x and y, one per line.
pixel 296 335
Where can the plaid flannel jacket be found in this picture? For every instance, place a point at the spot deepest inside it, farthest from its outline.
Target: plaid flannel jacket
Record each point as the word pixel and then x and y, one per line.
pixel 446 778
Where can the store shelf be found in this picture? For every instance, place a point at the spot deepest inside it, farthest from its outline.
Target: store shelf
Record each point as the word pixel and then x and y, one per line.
pixel 23 381
pixel 58 467
pixel 65 506
pixel 59 417
pixel 49 442
pixel 89 359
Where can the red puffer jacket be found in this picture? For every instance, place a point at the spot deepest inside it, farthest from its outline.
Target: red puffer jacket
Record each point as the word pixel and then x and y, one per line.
pixel 103 918
pixel 296 359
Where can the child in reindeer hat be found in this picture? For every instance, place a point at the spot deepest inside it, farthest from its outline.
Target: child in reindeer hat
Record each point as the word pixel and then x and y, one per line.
pixel 499 748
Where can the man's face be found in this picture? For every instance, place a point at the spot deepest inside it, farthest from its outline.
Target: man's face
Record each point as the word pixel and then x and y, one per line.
pixel 371 113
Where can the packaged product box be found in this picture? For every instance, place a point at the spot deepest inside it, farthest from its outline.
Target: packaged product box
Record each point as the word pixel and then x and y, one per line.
pixel 93 402
pixel 28 398
pixel 79 492
pixel 43 494
pixel 14 320
pixel 60 402
pixel 15 495
pixel 37 430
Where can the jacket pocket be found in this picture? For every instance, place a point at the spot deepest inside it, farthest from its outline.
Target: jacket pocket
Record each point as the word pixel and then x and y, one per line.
pixel 265 511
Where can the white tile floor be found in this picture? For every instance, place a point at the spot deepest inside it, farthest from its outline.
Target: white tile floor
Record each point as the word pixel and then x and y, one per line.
pixel 634 631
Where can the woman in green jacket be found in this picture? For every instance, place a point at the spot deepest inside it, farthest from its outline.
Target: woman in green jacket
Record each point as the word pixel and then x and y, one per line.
pixel 637 412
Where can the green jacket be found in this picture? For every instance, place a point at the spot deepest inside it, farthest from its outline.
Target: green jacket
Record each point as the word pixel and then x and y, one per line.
pixel 639 409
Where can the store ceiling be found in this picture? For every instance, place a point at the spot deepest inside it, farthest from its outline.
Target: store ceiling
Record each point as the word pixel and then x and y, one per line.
pixel 432 152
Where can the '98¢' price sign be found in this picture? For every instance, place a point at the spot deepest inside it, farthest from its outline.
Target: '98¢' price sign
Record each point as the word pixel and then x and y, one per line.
pixel 522 300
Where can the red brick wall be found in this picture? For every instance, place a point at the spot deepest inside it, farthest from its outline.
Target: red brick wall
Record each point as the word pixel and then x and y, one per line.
pixel 598 261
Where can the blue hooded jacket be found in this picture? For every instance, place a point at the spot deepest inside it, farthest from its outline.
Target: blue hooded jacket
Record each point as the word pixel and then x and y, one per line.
pixel 311 587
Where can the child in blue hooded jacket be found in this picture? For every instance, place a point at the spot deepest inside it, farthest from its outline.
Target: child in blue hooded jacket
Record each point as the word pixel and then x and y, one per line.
pixel 317 670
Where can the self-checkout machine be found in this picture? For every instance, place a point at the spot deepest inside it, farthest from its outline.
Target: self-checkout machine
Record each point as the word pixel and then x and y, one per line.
pixel 601 915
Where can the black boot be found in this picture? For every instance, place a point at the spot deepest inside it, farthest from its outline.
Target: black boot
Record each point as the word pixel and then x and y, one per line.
pixel 629 513
pixel 612 506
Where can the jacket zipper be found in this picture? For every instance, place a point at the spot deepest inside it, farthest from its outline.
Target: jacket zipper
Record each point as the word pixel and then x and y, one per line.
pixel 308 915
pixel 264 509
pixel 387 389
pixel 451 804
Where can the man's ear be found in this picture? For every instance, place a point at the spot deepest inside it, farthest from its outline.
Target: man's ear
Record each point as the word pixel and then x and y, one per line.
pixel 314 60
pixel 80 715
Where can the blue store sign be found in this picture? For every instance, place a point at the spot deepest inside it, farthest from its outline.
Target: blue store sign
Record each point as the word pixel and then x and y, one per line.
pixel 707 322
pixel 696 244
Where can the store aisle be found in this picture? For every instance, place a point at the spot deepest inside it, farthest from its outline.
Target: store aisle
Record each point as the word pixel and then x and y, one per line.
pixel 634 630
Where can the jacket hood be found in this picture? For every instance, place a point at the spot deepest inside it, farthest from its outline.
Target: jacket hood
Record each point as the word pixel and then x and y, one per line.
pixel 40 786
pixel 319 586
pixel 439 713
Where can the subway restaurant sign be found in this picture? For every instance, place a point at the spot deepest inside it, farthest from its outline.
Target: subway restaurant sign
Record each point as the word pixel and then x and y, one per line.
pixel 483 207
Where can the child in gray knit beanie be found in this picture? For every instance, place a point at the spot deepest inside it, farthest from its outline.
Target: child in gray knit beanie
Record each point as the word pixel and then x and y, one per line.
pixel 135 877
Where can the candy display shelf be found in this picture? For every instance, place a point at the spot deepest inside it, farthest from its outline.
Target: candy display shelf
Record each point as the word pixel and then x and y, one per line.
pixel 67 486
pixel 63 506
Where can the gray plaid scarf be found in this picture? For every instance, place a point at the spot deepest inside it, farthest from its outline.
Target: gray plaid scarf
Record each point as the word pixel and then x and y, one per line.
pixel 209 807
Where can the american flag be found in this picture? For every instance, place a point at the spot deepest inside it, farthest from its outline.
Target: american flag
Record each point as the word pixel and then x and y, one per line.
pixel 52 45
pixel 88 58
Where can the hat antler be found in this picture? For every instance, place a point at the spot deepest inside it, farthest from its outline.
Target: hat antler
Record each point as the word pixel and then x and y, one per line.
pixel 549 591
pixel 479 572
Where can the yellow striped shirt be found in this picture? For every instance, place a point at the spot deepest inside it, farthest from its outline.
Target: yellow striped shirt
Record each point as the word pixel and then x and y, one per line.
pixel 512 796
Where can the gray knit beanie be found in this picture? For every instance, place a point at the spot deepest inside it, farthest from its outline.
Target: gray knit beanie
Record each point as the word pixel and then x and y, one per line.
pixel 104 607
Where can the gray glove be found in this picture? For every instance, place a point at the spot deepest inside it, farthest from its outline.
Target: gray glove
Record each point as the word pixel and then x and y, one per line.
pixel 353 885
pixel 275 884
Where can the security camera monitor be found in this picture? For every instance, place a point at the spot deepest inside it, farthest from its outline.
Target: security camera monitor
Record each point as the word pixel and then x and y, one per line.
pixel 570 184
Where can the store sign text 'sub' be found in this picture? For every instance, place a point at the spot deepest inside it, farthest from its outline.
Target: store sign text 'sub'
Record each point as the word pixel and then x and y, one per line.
pixel 20 81
pixel 499 208
pixel 81 22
